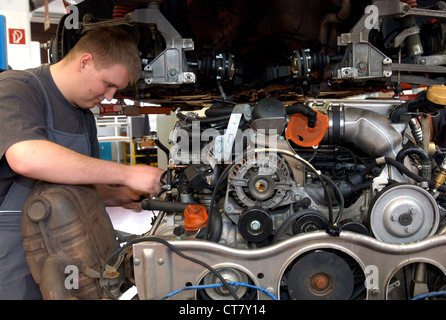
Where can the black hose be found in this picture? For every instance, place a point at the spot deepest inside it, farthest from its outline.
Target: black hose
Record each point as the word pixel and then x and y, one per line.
pixel 162 147
pixel 159 205
pixel 412 150
pixel 304 110
pixel 168 172
pixel 340 199
pixel 218 112
pixel 369 167
pixel 204 120
pixel 426 166
pixel 220 180
pixel 217 226
pixel 171 206
pixel 399 111
pixel 361 186
pixel 420 104
pixel 402 168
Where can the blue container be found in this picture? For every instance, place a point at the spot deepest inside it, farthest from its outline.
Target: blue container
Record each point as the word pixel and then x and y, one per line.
pixel 3 42
pixel 105 150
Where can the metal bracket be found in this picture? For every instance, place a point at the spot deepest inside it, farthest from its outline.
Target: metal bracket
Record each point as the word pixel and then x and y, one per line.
pixel 169 67
pixel 364 61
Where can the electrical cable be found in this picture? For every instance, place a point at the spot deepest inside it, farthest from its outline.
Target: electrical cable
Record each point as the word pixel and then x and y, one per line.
pixel 214 197
pixel 171 247
pixel 429 294
pixel 298 214
pixel 340 198
pixel 218 285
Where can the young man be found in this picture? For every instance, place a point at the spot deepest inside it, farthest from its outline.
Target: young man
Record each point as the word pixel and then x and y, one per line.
pixel 48 133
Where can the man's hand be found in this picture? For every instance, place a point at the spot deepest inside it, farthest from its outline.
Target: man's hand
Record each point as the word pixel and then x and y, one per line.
pixel 120 196
pixel 145 178
pixel 48 161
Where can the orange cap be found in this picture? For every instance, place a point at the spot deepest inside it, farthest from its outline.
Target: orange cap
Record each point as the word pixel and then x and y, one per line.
pixel 437 94
pixel 301 134
pixel 195 217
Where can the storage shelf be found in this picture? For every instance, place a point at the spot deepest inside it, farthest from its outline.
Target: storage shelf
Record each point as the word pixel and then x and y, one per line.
pixel 117 122
pixel 113 138
pixel 141 156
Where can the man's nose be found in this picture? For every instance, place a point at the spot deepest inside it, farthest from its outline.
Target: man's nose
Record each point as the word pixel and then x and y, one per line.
pixel 110 93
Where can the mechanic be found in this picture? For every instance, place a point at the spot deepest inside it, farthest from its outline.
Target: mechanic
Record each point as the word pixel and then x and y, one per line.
pixel 49 134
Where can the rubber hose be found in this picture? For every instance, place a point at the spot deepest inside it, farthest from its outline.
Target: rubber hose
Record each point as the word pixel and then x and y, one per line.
pixel 162 147
pixel 159 205
pixel 304 110
pixel 412 150
pixel 218 112
pixel 412 175
pixel 216 227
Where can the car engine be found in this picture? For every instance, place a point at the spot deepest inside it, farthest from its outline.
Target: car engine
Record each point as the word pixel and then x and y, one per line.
pixel 314 200
pixel 323 183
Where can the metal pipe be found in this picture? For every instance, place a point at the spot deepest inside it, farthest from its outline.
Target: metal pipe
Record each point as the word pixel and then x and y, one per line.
pixel 366 130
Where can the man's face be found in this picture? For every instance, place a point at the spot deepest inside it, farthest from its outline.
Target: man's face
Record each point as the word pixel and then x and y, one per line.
pixel 99 84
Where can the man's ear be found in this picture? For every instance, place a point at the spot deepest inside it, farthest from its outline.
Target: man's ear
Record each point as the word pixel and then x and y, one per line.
pixel 85 60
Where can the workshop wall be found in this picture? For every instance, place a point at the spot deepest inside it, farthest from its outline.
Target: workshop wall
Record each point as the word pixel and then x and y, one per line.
pixel 22 53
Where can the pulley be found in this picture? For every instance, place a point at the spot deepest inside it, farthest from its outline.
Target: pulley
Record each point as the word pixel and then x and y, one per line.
pixel 320 275
pixel 255 224
pixel 222 292
pixel 403 213
pixel 311 221
pixel 354 226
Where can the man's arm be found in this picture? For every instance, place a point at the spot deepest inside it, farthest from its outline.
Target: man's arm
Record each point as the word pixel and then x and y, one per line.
pixel 122 196
pixel 48 161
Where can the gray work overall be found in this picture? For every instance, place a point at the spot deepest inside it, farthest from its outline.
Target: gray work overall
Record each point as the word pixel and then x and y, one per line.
pixel 16 281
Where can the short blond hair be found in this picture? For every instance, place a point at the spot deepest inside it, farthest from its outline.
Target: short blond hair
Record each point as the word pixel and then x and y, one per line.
pixel 109 46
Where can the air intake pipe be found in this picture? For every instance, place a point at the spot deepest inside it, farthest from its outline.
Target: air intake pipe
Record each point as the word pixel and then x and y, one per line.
pixel 364 129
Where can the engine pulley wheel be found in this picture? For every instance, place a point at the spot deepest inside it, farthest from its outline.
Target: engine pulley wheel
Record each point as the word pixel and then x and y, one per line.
pixel 320 275
pixel 260 181
pixel 230 275
pixel 255 224
pixel 309 222
pixel 403 213
pixel 261 187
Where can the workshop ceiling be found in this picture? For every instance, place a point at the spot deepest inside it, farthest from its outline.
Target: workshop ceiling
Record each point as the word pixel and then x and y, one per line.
pixel 56 10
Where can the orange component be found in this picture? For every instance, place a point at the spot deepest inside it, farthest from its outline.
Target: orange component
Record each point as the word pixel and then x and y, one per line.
pixel 301 134
pixel 121 11
pixel 195 217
